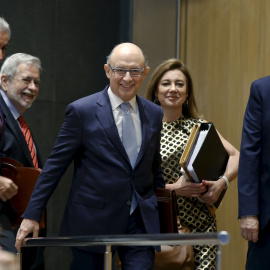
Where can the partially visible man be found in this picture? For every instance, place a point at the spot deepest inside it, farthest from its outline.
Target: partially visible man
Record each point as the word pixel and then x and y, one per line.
pixel 114 182
pixel 7 187
pixel 254 176
pixel 20 79
pixel 5 34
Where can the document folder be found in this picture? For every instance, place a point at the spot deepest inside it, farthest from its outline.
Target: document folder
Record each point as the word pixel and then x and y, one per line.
pixel 204 157
pixel 168 210
pixel 25 178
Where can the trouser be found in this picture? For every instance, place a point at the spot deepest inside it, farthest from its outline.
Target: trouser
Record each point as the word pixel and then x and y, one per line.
pixel 132 257
pixel 258 253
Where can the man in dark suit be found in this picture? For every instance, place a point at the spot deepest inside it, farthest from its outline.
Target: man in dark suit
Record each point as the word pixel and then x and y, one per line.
pixel 20 78
pixel 106 183
pixel 5 34
pixel 254 176
pixel 7 188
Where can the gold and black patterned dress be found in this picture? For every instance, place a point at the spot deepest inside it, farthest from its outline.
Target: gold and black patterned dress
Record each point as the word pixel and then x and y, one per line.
pixel 192 213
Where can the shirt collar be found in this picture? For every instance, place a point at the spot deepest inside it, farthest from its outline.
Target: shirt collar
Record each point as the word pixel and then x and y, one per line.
pixel 11 107
pixel 116 101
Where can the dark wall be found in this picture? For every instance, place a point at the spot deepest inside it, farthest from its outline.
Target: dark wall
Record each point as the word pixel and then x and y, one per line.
pixel 72 38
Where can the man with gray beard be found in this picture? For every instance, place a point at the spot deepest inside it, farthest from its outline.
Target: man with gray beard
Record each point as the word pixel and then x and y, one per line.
pixel 20 79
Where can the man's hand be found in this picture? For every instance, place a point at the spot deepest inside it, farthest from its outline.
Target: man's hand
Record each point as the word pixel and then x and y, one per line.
pixel 7 188
pixel 27 226
pixel 250 228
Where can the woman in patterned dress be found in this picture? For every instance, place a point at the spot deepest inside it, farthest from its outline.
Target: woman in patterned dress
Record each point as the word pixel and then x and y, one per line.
pixel 171 87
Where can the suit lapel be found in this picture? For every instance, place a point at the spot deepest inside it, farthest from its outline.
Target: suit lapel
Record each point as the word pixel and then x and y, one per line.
pixel 12 125
pixel 145 128
pixel 105 117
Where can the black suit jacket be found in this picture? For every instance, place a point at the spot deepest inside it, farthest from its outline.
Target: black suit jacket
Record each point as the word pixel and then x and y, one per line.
pixel 1 130
pixel 13 145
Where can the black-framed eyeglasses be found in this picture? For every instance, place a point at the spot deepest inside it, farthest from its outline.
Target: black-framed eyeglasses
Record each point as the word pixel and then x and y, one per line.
pixel 135 72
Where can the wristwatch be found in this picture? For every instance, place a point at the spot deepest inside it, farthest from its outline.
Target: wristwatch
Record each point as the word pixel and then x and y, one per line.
pixel 226 180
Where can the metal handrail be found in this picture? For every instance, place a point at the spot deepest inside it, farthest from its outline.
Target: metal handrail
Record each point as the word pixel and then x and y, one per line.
pixel 219 238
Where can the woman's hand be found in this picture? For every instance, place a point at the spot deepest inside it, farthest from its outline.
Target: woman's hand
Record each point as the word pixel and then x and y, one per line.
pixel 214 189
pixel 186 188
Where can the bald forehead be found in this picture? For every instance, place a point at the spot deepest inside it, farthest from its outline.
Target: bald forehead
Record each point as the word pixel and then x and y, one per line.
pixel 128 53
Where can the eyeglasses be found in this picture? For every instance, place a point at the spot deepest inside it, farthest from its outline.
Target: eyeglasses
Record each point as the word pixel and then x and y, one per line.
pixel 122 72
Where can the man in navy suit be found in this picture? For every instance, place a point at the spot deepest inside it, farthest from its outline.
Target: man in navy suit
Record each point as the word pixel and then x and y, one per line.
pixel 105 182
pixel 254 176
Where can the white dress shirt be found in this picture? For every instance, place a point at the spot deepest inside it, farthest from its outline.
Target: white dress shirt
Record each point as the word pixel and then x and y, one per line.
pixel 118 115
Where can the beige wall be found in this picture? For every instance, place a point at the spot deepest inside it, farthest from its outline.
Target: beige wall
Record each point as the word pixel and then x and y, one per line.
pixel 225 44
pixel 155 31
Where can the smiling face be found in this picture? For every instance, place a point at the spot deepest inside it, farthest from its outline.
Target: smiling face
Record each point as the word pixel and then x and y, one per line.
pixel 24 88
pixel 172 90
pixel 126 56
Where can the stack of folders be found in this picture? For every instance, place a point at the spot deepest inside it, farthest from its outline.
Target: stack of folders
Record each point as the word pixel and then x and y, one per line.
pixel 204 157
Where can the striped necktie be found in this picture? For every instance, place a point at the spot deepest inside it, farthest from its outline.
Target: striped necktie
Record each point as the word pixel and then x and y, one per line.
pixel 28 137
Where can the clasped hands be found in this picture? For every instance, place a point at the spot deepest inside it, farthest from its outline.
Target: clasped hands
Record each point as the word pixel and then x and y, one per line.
pixel 208 191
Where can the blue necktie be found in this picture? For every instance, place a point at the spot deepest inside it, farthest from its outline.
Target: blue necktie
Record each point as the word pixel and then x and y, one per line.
pixel 129 134
pixel 129 142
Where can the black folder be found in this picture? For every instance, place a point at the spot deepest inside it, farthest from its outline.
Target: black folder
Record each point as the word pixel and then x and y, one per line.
pixel 210 161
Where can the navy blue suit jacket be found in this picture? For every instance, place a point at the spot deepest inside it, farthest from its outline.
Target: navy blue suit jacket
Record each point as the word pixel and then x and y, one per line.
pixel 254 166
pixel 101 191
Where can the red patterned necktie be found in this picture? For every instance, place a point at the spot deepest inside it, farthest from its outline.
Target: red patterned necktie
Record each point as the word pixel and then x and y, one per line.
pixel 28 137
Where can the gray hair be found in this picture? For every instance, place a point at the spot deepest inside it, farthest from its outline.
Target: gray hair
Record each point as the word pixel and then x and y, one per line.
pixel 9 67
pixel 109 56
pixel 4 27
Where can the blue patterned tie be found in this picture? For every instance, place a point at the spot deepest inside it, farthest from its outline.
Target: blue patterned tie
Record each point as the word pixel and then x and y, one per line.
pixel 129 134
pixel 129 142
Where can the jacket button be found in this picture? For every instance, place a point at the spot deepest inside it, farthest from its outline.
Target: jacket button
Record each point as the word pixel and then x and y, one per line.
pixel 128 202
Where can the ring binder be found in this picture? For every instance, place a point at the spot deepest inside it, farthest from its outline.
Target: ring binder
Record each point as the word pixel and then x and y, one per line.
pixel 209 162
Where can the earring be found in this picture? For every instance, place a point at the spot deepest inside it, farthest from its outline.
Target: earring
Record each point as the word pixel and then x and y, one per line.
pixel 156 101
pixel 186 104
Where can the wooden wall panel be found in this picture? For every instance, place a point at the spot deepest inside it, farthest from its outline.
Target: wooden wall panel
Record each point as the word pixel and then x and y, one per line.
pixel 226 45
